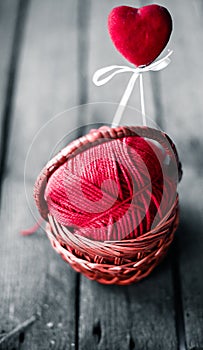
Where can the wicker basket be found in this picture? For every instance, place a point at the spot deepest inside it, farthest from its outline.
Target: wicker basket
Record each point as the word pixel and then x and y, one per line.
pixel 110 262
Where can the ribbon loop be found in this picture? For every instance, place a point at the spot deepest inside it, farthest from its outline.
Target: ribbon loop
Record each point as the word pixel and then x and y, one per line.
pixel 117 70
pixel 155 66
pixel 101 77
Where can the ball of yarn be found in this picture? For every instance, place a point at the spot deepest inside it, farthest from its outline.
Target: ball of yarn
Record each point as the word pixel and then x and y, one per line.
pixel 112 191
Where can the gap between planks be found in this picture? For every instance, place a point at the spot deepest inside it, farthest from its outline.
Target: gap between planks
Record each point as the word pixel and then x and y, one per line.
pixel 11 84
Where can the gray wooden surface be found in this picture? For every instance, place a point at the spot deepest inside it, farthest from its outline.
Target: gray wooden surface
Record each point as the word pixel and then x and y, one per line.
pixel 49 52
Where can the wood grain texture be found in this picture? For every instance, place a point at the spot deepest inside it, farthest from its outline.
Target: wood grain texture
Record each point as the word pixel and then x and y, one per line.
pixel 139 316
pixel 11 24
pixel 33 278
pixel 8 13
pixel 181 89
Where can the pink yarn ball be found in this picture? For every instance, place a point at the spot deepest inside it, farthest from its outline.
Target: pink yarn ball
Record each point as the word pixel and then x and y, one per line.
pixel 115 190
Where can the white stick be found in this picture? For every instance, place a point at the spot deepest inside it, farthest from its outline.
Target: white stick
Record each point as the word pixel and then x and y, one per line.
pixel 122 105
pixel 142 101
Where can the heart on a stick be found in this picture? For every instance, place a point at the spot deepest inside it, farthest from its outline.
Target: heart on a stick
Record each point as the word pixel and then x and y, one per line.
pixel 141 34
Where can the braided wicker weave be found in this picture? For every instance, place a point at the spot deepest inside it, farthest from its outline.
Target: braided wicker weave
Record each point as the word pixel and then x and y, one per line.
pixel 110 262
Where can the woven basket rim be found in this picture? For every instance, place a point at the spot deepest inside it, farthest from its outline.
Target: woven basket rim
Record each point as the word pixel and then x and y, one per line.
pixel 153 234
pixel 123 269
pixel 120 248
pixel 98 264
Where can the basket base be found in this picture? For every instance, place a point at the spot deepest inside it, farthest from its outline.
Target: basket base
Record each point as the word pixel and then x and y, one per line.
pixel 112 274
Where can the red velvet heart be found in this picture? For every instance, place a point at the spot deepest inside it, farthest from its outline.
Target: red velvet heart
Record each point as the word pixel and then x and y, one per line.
pixel 140 34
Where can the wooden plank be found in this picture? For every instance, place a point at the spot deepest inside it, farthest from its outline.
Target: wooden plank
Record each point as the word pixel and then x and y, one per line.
pixel 33 278
pixel 140 316
pixel 9 44
pixel 7 24
pixel 181 89
pixel 182 104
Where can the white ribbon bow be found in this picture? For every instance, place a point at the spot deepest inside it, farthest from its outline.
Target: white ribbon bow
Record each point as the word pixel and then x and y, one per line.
pixel 137 72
